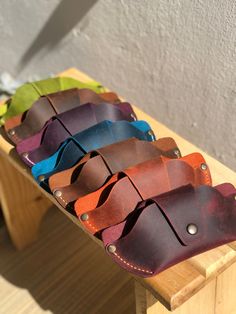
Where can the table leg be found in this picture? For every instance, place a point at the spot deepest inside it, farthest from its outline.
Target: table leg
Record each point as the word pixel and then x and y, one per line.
pixel 23 205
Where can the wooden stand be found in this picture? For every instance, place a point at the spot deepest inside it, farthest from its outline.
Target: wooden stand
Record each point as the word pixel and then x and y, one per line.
pixel 22 203
pixel 204 284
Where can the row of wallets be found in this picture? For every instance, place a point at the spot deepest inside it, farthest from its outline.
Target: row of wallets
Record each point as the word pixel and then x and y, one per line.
pixel 151 206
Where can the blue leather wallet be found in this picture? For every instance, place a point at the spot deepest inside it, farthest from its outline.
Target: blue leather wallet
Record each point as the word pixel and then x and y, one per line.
pixel 75 147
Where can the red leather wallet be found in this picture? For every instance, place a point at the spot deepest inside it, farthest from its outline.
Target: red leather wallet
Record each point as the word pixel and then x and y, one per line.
pixel 112 203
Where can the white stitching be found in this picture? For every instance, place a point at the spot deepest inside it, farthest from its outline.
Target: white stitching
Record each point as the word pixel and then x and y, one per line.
pixel 132 266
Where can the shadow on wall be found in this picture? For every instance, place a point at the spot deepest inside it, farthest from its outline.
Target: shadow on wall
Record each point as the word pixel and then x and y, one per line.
pixel 64 18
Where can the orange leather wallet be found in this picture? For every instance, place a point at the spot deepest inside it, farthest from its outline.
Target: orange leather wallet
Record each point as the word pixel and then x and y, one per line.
pixel 90 173
pixel 112 203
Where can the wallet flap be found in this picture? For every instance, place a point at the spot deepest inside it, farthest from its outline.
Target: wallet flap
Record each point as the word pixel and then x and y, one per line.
pixel 172 227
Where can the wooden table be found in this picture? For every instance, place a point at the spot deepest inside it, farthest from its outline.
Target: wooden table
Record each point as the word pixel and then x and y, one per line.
pixel 204 284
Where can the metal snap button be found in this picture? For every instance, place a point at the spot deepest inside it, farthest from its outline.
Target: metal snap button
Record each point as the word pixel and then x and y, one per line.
pixel 57 193
pixel 41 178
pixel 111 248
pixel 84 217
pixel 192 229
pixel 203 166
pixel 177 152
pixel 12 132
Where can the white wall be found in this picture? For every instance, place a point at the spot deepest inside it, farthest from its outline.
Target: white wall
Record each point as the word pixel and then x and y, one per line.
pixel 175 59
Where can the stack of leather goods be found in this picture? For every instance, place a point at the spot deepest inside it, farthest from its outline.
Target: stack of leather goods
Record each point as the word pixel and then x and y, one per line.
pixel 151 206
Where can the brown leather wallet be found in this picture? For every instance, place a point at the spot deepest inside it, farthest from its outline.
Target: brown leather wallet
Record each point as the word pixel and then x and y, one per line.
pixel 172 227
pixel 112 203
pixel 30 122
pixel 96 167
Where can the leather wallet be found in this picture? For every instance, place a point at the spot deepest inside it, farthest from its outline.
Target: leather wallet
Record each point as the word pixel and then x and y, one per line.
pixel 45 143
pixel 28 93
pixel 96 167
pixel 97 136
pixel 112 203
pixel 173 227
pixel 32 121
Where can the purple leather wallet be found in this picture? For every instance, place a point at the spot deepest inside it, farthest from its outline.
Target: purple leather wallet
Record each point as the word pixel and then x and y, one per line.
pixel 172 227
pixel 69 123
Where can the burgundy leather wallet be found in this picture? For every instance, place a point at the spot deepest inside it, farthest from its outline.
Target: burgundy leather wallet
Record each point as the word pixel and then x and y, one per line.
pixel 69 123
pixel 112 203
pixel 33 120
pixel 172 227
pixel 92 171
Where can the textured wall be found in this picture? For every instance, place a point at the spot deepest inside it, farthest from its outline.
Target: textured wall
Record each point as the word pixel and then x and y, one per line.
pixel 175 59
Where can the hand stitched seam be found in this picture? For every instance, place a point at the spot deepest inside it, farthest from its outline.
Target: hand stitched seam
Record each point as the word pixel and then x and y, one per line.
pixel 132 266
pixel 30 161
pixel 208 181
pixel 63 200
pixel 66 204
pixel 94 228
pixel 15 137
pixel 85 221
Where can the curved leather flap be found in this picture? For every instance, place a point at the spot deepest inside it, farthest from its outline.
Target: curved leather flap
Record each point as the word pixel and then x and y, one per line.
pixel 27 124
pixel 68 124
pixel 147 179
pixel 156 236
pixel 100 135
pixel 100 164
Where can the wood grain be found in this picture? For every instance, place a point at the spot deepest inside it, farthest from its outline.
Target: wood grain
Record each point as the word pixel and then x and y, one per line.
pixel 63 272
pixel 225 292
pixel 176 285
pixel 201 303
pixel 22 203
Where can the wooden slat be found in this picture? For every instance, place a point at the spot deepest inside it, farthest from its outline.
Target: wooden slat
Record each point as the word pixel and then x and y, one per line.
pixel 201 302
pixel 175 285
pixel 179 283
pixel 225 292
pixel 215 261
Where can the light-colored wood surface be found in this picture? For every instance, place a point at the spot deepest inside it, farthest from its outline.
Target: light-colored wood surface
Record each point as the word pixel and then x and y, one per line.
pixel 64 272
pixel 225 292
pixel 201 303
pixel 186 280
pixel 22 203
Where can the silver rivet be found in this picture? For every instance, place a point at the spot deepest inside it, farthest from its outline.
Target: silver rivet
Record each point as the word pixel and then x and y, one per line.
pixel 177 152
pixel 57 193
pixel 133 116
pixel 12 132
pixel 84 217
pixel 203 166
pixel 192 229
pixel 41 178
pixel 111 248
pixel 25 155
